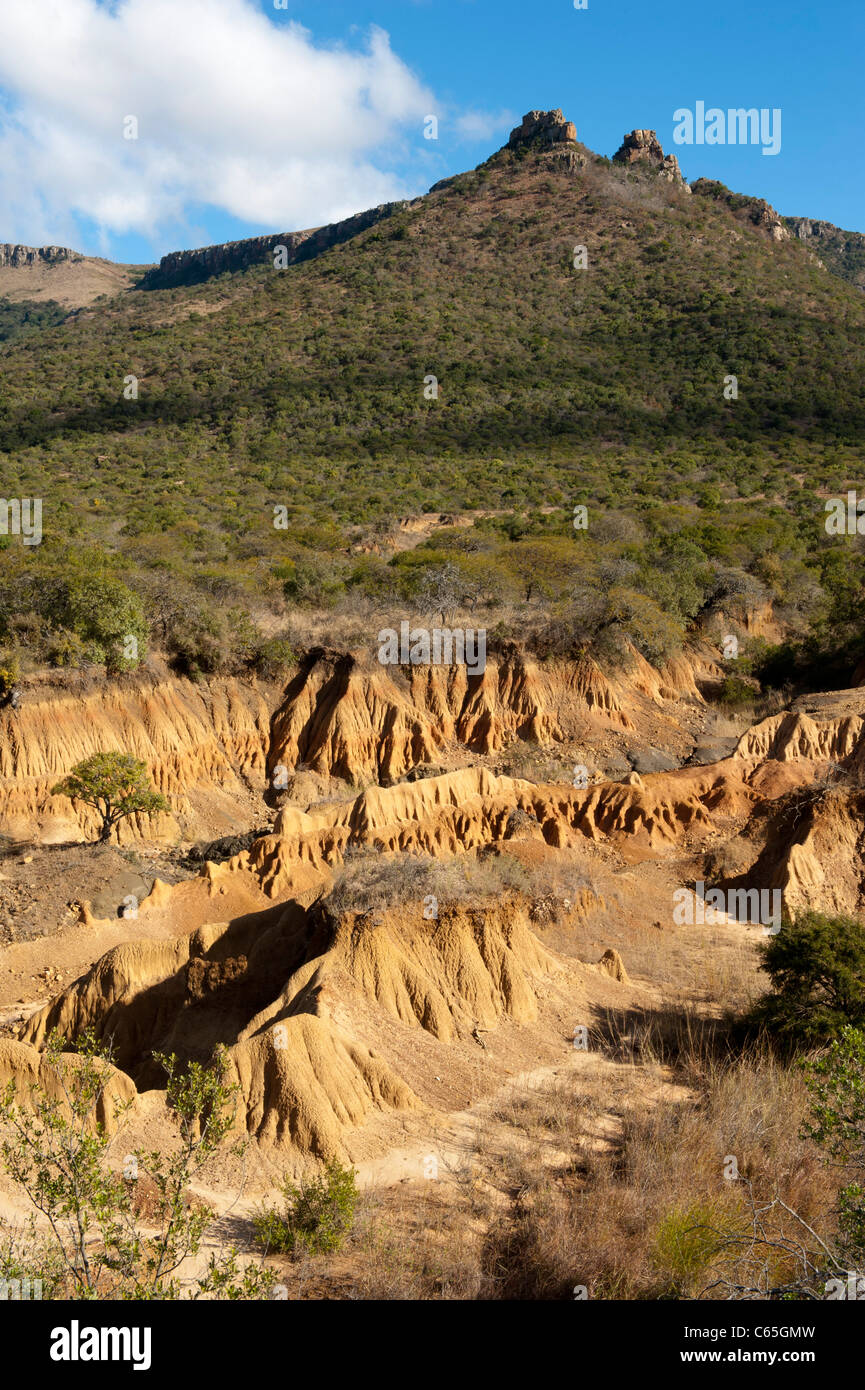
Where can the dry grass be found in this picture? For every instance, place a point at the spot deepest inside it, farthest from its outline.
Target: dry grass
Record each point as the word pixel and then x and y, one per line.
pixel 644 1218
pixel 613 1179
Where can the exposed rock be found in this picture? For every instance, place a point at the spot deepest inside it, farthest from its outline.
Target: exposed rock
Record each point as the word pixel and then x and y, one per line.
pixel 611 964
pixel 543 128
pixel 35 1078
pixel 643 145
pixel 204 745
pixel 17 256
pixel 316 1009
pixel 647 760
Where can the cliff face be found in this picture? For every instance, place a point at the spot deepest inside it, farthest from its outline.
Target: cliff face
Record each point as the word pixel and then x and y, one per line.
pixel 17 256
pixel 204 746
pixel 193 267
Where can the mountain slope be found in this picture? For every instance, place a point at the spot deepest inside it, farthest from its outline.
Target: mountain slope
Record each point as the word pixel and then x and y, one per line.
pixel 456 356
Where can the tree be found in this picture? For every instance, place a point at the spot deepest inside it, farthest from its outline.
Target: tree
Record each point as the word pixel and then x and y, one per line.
pixel 817 968
pixel 99 1247
pixel 116 784
pixel 108 617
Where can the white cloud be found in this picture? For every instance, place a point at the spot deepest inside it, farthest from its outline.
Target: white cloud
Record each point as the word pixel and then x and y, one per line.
pixel 234 111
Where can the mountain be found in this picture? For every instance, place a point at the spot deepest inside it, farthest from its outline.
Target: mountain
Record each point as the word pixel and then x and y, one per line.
pixel 551 327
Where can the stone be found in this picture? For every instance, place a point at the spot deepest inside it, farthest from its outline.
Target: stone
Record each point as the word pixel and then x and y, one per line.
pixel 643 145
pixel 16 256
pixel 543 128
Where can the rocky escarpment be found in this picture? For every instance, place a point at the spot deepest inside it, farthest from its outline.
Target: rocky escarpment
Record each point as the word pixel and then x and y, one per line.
pixel 15 257
pixel 328 1018
pixel 345 715
pixel 193 267
pixel 643 147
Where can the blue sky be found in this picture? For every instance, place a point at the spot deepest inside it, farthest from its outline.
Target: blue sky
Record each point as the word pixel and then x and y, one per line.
pixel 255 119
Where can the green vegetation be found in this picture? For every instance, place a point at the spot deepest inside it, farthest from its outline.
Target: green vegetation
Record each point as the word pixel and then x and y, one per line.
pixel 302 390
pixel 817 967
pixel 116 785
pixel 9 673
pixel 104 1239
pixel 316 1216
pixel 19 318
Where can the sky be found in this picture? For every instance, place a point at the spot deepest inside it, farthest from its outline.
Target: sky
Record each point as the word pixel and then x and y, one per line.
pixel 130 128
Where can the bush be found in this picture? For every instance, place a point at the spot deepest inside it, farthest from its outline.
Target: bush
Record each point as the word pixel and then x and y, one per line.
pixel 98 1246
pixel 317 1216
pixel 817 968
pixel 738 691
pixel 109 619
pixel 9 672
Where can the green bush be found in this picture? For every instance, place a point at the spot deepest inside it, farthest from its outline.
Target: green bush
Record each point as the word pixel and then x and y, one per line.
pixel 316 1217
pixel 817 968
pixel 737 691
pixel 109 619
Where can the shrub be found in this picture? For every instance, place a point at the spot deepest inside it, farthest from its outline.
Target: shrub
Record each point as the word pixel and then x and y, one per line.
pixel 98 1245
pixel 738 691
pixel 316 1217
pixel 817 968
pixel 109 619
pixel 9 672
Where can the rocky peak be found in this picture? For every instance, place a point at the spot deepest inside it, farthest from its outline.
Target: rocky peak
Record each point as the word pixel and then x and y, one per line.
pixel 645 145
pixel 16 256
pixel 543 127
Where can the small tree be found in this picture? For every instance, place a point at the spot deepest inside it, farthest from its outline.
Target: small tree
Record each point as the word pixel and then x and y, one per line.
pixel 817 968
pixel 98 1245
pixel 115 784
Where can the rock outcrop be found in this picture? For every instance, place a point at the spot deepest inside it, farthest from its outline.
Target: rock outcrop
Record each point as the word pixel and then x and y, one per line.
pixel 18 256
pixel 543 128
pixel 841 252
pixel 643 146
